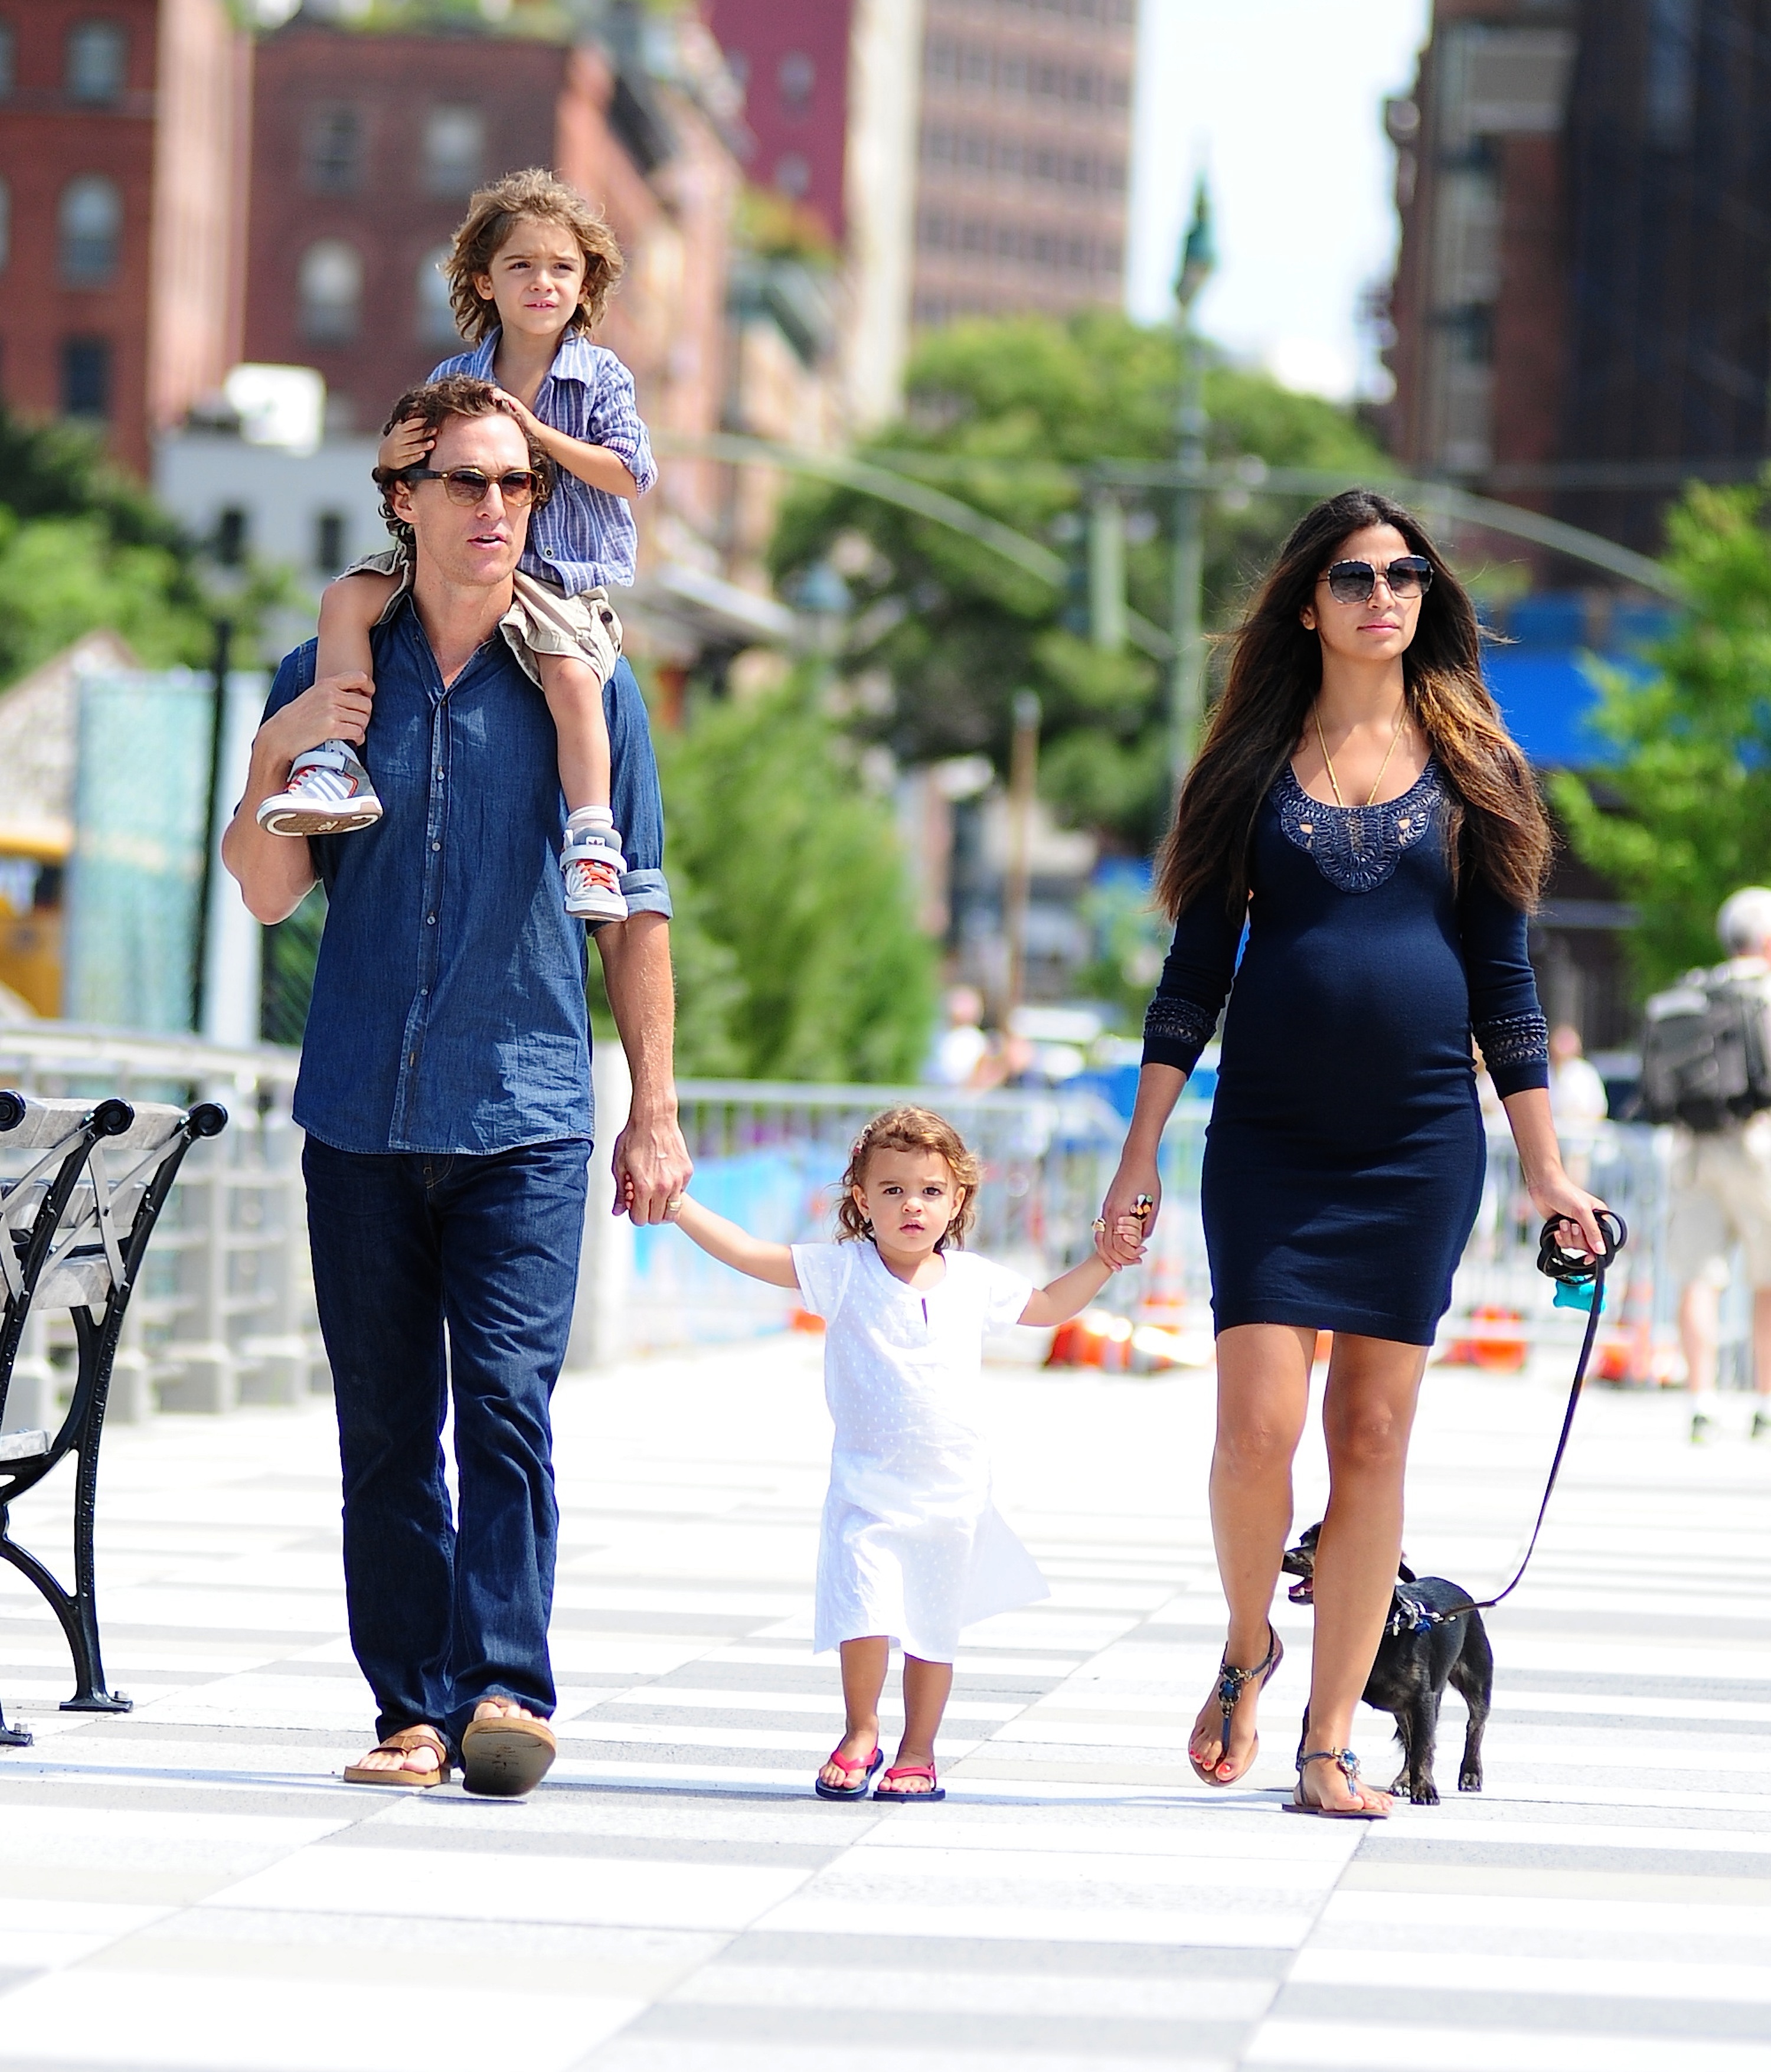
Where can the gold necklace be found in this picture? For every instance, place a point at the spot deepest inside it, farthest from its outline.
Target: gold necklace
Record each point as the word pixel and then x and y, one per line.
pixel 1328 763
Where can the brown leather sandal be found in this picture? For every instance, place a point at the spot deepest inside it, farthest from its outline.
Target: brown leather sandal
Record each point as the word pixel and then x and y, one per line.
pixel 505 1755
pixel 402 1744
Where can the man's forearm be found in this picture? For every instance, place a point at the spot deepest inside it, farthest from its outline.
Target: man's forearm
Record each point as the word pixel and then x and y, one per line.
pixel 275 872
pixel 651 1161
pixel 636 971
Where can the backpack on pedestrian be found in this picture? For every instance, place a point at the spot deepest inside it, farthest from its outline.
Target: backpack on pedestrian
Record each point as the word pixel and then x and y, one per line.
pixel 1706 1050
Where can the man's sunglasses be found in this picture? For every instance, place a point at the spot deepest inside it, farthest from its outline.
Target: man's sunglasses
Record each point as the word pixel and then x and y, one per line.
pixel 468 486
pixel 1356 582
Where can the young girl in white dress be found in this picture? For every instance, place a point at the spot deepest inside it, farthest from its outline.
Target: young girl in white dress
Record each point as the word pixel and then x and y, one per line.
pixel 912 1548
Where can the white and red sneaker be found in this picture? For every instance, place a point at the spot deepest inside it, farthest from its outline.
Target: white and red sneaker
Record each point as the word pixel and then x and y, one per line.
pixel 328 793
pixel 591 864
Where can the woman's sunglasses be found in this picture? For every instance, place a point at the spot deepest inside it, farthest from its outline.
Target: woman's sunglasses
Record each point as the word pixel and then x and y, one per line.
pixel 468 486
pixel 1356 582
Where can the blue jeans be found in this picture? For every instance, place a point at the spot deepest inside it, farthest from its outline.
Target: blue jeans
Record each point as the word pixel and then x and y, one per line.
pixel 446 1611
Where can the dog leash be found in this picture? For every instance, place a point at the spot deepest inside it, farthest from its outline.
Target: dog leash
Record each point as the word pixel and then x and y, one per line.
pixel 1576 1271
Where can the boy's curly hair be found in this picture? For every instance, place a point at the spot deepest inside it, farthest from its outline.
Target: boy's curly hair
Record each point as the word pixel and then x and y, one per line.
pixel 431 402
pixel 493 213
pixel 911 1129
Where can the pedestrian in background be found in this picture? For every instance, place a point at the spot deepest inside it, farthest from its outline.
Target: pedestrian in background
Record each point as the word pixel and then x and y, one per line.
pixel 1721 1196
pixel 1359 807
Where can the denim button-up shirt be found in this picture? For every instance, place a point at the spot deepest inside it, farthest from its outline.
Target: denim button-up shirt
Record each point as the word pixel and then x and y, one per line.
pixel 448 1013
pixel 582 538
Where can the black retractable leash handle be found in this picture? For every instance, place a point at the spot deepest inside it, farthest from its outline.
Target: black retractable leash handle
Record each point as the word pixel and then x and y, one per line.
pixel 1573 1269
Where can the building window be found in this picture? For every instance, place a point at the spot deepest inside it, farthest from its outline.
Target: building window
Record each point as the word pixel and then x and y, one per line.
pixel 436 314
pixel 797 76
pixel 334 150
pixel 792 175
pixel 329 542
pixel 98 61
pixel 6 225
pixel 230 539
pixel 86 377
pixel 332 291
pixel 91 223
pixel 9 60
pixel 454 149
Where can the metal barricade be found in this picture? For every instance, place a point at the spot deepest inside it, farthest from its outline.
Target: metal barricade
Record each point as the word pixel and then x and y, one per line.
pixel 769 1156
pixel 225 1313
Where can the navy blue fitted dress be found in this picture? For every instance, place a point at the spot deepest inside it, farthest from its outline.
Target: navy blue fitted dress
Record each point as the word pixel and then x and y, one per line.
pixel 1344 1161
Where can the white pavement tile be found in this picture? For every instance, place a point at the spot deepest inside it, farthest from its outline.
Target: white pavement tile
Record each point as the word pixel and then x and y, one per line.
pixel 593 1890
pixel 140 2023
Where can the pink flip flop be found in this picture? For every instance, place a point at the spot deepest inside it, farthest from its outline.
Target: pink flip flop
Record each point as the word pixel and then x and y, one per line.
pixel 866 1770
pixel 911 1798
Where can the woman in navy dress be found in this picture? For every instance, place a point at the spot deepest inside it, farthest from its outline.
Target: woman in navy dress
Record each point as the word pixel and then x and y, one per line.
pixel 1359 809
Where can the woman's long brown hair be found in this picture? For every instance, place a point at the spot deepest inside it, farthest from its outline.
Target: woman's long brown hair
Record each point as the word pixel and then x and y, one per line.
pixel 1497 825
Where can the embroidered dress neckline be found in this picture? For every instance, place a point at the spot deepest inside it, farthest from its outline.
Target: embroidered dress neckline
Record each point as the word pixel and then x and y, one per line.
pixel 1357 848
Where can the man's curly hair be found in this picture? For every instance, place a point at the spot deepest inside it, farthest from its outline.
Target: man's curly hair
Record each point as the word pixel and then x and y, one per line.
pixel 494 212
pixel 431 403
pixel 911 1129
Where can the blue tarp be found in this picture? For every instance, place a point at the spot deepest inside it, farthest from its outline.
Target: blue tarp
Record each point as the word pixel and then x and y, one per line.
pixel 1548 699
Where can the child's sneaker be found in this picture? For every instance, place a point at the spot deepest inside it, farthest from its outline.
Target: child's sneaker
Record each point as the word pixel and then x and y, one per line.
pixel 591 864
pixel 328 793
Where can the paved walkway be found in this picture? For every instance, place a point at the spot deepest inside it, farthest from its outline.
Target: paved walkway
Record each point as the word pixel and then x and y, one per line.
pixel 190 1887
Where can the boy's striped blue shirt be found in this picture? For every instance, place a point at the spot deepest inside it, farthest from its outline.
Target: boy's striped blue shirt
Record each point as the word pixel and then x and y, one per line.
pixel 580 537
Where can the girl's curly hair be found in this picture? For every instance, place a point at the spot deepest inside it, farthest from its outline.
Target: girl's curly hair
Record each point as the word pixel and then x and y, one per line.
pixel 911 1129
pixel 493 213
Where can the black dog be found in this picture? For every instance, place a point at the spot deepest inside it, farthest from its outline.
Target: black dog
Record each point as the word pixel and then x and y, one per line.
pixel 1415 1660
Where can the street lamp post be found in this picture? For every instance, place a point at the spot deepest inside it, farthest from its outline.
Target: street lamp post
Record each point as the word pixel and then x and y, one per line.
pixel 1186 680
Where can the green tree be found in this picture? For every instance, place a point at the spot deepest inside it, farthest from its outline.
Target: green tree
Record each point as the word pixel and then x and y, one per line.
pixel 1006 413
pixel 83 546
pixel 797 949
pixel 1683 817
pixel 60 578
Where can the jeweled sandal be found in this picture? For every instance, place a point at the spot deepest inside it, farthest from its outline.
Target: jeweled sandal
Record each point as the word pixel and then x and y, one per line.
pixel 1231 1683
pixel 1348 1764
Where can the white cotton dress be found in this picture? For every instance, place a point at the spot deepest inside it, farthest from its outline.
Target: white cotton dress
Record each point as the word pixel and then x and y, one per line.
pixel 912 1546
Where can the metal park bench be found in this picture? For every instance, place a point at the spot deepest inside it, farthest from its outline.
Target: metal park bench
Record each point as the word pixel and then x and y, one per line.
pixel 81 1187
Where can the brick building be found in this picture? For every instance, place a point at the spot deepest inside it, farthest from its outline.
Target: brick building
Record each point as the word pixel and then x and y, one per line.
pixel 792 59
pixel 1582 306
pixel 123 130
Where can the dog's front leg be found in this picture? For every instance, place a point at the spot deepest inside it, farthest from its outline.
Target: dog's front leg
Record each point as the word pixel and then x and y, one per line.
pixel 1419 1735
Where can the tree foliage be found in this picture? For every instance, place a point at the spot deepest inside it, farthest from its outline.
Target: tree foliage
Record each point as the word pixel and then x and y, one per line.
pixel 797 947
pixel 82 546
pixel 1004 413
pixel 1688 816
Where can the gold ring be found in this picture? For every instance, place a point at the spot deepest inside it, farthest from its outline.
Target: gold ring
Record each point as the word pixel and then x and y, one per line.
pixel 1100 1222
pixel 674 1201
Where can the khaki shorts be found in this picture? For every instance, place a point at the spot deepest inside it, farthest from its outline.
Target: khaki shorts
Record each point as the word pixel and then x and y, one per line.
pixel 549 622
pixel 1721 1199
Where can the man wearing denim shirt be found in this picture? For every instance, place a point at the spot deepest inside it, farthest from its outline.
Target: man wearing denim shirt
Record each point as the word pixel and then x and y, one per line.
pixel 444 1091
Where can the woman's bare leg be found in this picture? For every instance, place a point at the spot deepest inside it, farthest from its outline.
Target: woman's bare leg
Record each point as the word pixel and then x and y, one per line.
pixel 864 1665
pixel 1263 1394
pixel 1367 1414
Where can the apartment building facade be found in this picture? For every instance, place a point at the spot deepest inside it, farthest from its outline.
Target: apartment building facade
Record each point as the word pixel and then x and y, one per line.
pixel 123 142
pixel 1582 304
